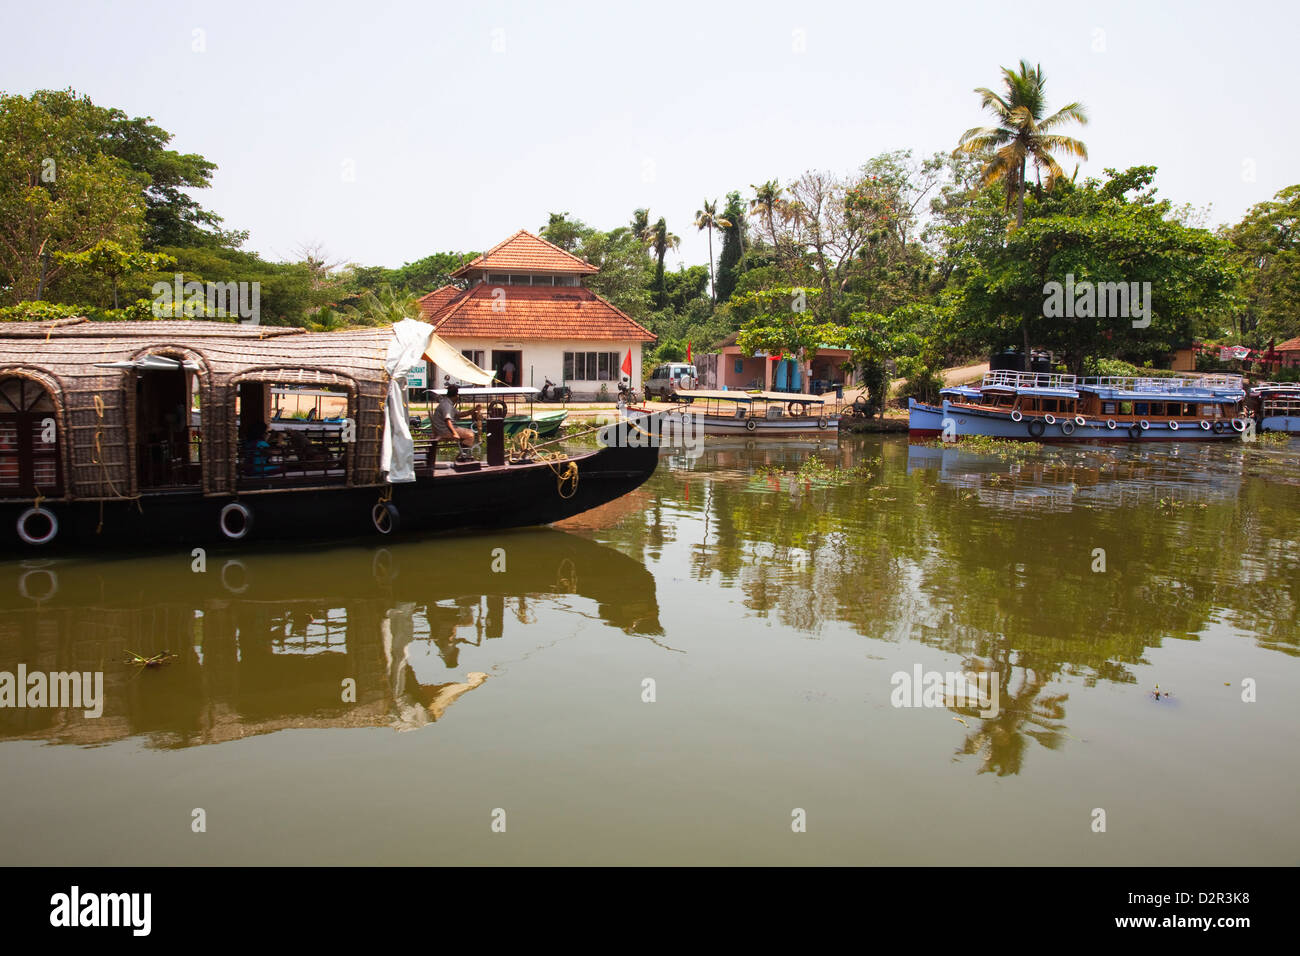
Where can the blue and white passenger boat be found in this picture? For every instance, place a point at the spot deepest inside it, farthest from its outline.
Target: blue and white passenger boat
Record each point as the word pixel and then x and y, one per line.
pixel 1049 406
pixel 1277 407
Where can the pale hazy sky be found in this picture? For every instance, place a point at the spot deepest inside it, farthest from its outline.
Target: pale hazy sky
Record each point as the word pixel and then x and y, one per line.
pixel 465 122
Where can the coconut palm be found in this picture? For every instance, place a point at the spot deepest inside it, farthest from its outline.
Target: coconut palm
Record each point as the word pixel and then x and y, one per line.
pixel 767 200
pixel 660 241
pixel 641 225
pixel 1022 133
pixel 708 218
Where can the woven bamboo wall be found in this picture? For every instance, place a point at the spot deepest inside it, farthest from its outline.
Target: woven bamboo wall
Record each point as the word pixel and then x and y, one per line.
pixel 96 406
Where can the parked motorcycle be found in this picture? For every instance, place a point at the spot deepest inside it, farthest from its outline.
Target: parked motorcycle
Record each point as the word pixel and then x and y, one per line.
pixel 628 395
pixel 555 393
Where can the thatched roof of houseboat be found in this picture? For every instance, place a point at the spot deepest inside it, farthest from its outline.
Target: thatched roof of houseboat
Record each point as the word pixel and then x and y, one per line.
pixel 94 404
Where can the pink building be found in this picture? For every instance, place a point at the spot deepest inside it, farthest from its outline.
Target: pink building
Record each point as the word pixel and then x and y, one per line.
pixel 728 367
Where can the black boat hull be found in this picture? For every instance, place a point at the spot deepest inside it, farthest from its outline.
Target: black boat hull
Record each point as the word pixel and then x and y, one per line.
pixel 509 496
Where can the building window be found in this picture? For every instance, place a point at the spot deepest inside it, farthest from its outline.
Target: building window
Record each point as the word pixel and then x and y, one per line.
pixel 591 366
pixel 740 366
pixel 474 355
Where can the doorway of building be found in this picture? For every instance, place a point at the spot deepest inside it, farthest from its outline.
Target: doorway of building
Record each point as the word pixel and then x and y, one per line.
pixel 507 365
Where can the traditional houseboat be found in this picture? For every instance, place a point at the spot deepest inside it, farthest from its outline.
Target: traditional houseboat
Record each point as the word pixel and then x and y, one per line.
pixel 1277 407
pixel 1052 407
pixel 755 413
pixel 162 434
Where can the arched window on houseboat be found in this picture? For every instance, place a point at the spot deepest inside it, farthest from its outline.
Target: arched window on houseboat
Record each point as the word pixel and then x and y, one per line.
pixel 29 440
pixel 292 432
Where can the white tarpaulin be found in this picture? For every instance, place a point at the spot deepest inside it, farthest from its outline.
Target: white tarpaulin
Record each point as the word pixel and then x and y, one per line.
pixel 451 362
pixel 412 341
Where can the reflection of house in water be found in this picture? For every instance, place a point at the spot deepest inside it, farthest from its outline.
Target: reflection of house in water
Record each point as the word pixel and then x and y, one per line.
pixel 1094 477
pixel 266 642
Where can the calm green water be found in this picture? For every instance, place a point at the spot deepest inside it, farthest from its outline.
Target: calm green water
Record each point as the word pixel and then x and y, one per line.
pixel 769 610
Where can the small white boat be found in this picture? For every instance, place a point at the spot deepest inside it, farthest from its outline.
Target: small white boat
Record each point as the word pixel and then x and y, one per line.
pixel 1277 407
pixel 757 413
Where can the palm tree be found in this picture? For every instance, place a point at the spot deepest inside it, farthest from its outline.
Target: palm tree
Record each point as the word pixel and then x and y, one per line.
pixel 383 306
pixel 660 241
pixel 767 199
pixel 708 218
pixel 641 225
pixel 1022 133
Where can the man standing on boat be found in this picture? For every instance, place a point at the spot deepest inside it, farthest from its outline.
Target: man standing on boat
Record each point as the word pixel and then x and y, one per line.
pixel 444 421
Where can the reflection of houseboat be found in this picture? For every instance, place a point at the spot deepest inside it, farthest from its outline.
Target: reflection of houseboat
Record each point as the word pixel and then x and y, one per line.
pixel 263 642
pixel 1277 407
pixel 99 444
pixel 1055 485
pixel 757 413
pixel 1042 406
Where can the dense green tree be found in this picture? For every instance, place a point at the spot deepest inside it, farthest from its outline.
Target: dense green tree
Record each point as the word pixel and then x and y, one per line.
pixel 110 263
pixel 562 231
pixel 731 259
pixel 1102 232
pixel 1266 243
pixel 58 194
pixel 84 130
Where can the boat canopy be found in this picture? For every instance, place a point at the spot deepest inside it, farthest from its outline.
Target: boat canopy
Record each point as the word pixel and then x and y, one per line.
pixel 746 398
pixel 503 390
pixel 743 398
pixel 791 397
pixel 1282 388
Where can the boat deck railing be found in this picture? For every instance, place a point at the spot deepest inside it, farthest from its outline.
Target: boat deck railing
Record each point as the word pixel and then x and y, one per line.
pixel 1161 385
pixel 1012 379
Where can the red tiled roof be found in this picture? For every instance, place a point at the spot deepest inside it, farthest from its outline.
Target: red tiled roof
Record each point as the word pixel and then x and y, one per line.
pixel 1290 345
pixel 531 312
pixel 435 300
pixel 524 252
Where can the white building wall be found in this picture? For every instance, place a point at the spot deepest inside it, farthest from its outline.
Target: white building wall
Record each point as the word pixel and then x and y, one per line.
pixel 544 358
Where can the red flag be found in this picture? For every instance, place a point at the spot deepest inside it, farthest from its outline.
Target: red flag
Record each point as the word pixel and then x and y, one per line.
pixel 688 353
pixel 627 364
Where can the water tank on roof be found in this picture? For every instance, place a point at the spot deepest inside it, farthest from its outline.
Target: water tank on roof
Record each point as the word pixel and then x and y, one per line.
pixel 1009 361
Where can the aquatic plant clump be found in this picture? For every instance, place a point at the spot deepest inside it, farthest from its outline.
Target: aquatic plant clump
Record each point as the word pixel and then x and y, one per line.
pixel 1003 448
pixel 815 471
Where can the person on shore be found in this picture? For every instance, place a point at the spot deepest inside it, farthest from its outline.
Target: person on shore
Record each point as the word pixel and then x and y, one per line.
pixel 444 422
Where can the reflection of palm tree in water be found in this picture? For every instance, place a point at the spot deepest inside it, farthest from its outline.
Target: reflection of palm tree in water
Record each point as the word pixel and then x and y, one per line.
pixel 1021 715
